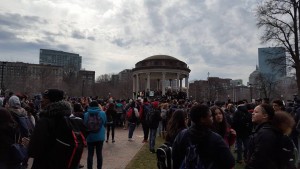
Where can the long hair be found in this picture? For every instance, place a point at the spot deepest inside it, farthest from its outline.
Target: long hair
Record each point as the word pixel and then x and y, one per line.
pixel 219 128
pixel 175 124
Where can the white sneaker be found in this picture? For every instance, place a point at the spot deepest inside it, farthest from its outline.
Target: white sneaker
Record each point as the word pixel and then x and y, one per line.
pixel 130 139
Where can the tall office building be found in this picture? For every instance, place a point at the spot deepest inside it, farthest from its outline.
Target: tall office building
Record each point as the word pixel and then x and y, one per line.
pixel 69 61
pixel 272 61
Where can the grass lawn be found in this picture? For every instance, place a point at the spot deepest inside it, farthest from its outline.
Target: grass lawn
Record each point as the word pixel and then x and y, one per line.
pixel 146 160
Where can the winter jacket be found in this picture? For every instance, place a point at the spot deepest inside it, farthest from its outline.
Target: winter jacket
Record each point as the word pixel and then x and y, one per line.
pixel 100 135
pixel 7 138
pixel 242 122
pixel 264 148
pixel 213 149
pixel 43 139
pixel 153 124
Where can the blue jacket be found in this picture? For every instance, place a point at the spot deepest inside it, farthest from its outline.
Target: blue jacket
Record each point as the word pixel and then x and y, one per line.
pixel 100 135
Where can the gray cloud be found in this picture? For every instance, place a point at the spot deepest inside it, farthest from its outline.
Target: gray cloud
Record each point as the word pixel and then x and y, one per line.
pixel 17 21
pixel 205 34
pixel 78 35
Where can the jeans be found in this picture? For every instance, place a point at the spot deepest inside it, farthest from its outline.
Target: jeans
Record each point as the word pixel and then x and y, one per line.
pixel 152 138
pixel 159 129
pixel 112 127
pixel 242 148
pixel 91 148
pixel 131 129
pixel 145 130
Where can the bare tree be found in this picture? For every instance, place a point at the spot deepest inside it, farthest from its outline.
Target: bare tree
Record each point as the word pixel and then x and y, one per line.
pixel 280 21
pixel 266 84
pixel 104 78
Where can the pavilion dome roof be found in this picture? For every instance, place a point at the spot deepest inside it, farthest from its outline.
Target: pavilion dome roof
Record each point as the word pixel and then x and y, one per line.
pixel 163 57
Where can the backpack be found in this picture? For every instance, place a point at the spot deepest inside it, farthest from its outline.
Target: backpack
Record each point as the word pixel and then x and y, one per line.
pixel 164 156
pixel 94 122
pixel 69 142
pixel 25 124
pixel 192 158
pixel 149 117
pixel 131 116
pixel 288 153
pixel 119 108
pixel 146 109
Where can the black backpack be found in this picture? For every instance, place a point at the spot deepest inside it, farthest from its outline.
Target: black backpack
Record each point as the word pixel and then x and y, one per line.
pixel 192 159
pixel 164 156
pixel 288 153
pixel 69 142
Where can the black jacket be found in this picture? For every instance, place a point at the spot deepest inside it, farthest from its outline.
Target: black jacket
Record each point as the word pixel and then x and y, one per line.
pixel 242 122
pixel 213 149
pixel 43 138
pixel 264 148
pixel 153 124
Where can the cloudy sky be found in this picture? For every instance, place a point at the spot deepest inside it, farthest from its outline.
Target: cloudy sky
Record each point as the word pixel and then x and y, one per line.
pixel 215 36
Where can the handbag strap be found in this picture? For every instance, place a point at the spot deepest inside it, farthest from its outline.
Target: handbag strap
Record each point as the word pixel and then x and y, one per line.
pixel 17 138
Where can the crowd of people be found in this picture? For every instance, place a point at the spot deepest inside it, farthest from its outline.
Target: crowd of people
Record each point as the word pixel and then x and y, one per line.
pixel 263 135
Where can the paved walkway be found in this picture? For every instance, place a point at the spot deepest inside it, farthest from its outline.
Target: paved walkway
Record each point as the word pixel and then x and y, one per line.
pixel 117 155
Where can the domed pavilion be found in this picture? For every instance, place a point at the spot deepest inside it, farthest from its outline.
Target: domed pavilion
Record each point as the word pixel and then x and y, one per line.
pixel 159 73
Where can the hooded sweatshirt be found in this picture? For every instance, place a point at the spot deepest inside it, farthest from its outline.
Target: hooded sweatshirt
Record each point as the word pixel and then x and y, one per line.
pixel 212 148
pixel 43 138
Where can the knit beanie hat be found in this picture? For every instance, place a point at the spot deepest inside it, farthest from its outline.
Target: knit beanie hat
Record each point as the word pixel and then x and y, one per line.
pixel 14 102
pixel 54 95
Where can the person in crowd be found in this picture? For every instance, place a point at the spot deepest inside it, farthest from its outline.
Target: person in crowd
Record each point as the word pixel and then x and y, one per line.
pixel 95 140
pixel 153 125
pixel 30 111
pixel 78 110
pixel 111 115
pixel 78 113
pixel 132 117
pixel 163 114
pixel 242 124
pixel 212 149
pixel 146 108
pixel 278 105
pixel 229 111
pixel 221 126
pixel 265 142
pixel 9 133
pixel 120 110
pixel 175 125
pixel 14 106
pixel 42 142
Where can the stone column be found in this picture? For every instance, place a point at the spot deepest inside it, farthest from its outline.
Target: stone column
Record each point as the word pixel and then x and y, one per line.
pixel 137 83
pixel 163 83
pixel 148 81
pixel 180 85
pixel 187 86
pixel 133 85
pixel 177 83
pixel 171 84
